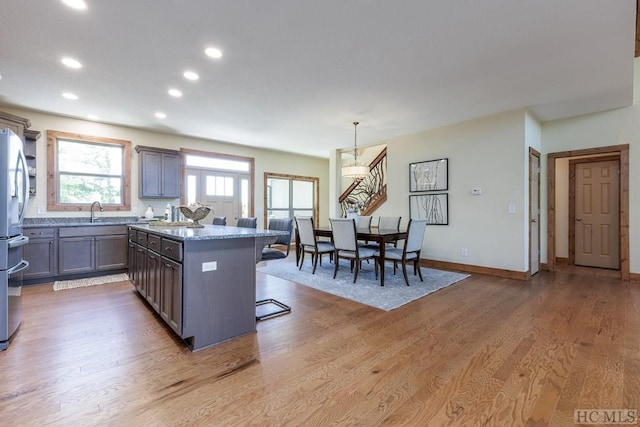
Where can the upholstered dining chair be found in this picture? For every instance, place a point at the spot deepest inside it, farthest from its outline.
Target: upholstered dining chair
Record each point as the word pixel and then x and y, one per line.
pixel 251 222
pixel 390 223
pixel 280 224
pixel 310 244
pixel 410 252
pixel 219 220
pixel 345 241
pixel 364 221
pixel 270 254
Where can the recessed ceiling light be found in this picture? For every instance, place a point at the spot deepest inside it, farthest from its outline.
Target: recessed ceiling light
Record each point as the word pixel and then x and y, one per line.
pixel 76 4
pixel 161 115
pixel 71 63
pixel 175 93
pixel 70 96
pixel 190 75
pixel 213 52
pixel 92 117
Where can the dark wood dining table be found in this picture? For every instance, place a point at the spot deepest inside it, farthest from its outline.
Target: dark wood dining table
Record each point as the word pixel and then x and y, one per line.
pixel 380 236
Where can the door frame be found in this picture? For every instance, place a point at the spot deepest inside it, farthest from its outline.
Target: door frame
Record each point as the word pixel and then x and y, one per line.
pixel 623 152
pixel 572 198
pixel 534 153
pixel 312 179
pixel 251 173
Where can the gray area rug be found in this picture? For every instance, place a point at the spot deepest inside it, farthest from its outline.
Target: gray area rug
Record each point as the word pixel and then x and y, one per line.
pixel 367 289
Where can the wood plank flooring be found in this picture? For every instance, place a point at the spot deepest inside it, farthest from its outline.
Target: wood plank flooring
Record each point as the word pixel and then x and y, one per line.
pixel 485 351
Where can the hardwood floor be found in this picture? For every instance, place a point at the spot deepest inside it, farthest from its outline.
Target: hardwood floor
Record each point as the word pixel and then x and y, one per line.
pixel 485 351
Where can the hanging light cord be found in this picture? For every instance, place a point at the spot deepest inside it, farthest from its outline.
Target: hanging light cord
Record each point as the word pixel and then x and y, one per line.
pixel 355 145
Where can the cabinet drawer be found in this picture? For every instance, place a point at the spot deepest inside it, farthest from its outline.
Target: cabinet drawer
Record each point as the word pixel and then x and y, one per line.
pixel 172 249
pixel 36 233
pixel 153 242
pixel 133 235
pixel 96 230
pixel 141 238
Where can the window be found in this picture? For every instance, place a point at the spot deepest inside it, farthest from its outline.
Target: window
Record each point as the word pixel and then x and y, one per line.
pixel 87 169
pixel 288 196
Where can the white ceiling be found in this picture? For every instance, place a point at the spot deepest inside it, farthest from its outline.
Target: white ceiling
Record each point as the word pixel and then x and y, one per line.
pixel 296 73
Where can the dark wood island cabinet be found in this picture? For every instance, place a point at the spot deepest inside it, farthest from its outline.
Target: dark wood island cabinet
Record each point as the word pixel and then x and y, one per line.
pixel 201 281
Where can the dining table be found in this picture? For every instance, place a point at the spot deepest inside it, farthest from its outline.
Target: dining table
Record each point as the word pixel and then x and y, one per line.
pixel 381 236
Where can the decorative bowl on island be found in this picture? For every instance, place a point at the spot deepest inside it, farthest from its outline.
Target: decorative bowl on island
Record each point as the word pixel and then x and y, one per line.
pixel 195 215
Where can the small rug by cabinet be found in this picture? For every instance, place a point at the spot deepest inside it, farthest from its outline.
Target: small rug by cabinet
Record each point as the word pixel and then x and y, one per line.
pixel 367 289
pixel 90 281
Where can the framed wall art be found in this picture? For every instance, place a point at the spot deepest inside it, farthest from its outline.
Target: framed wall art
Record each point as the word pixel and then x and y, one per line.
pixel 432 207
pixel 430 175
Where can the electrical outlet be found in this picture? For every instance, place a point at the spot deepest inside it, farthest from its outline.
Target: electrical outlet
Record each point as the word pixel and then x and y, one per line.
pixel 209 266
pixel 41 210
pixel 464 252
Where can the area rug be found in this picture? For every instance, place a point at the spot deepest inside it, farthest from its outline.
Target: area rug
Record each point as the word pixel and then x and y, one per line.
pixel 367 289
pixel 90 281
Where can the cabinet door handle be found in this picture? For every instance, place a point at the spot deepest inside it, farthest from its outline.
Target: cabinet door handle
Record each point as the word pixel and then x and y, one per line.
pixel 168 265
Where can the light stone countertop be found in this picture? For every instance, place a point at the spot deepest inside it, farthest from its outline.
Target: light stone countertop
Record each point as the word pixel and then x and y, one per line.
pixel 208 232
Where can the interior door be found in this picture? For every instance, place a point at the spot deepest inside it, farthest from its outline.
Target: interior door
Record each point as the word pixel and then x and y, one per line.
pixel 597 214
pixel 534 211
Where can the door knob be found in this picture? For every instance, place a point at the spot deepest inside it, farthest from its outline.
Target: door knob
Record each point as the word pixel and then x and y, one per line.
pixel 534 220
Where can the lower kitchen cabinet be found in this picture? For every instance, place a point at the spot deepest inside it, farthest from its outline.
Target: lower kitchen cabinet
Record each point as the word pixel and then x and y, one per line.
pixel 171 294
pixel 155 269
pixel 58 251
pixel 154 282
pixel 41 252
pixel 110 253
pixel 91 248
pixel 76 255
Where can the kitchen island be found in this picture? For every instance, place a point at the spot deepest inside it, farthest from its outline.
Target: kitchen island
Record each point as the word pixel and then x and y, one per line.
pixel 201 281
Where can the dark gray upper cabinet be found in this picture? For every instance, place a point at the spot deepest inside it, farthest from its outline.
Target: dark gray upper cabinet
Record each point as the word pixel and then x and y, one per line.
pixel 159 173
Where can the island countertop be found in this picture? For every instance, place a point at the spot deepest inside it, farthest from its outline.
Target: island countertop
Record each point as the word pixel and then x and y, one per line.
pixel 208 232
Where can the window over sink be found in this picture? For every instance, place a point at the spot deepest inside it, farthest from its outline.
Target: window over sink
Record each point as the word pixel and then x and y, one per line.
pixel 85 169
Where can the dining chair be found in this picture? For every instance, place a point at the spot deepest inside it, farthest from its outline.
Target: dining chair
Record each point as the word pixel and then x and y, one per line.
pixel 270 254
pixel 390 223
pixel 310 244
pixel 409 253
pixel 280 224
pixel 247 222
pixel 345 242
pixel 364 221
pixel 219 220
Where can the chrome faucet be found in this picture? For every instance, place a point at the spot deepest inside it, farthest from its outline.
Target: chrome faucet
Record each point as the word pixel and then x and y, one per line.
pixel 93 205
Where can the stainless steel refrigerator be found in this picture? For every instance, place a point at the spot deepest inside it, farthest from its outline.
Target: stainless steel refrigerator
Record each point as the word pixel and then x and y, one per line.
pixel 14 197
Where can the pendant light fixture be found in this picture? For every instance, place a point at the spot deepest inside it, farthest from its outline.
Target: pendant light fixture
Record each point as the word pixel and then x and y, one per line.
pixel 355 171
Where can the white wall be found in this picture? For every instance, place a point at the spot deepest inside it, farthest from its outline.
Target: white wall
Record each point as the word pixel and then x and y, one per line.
pixel 621 126
pixel 488 153
pixel 265 161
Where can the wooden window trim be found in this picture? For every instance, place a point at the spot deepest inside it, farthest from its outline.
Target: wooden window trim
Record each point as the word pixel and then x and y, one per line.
pixel 52 172
pixel 316 189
